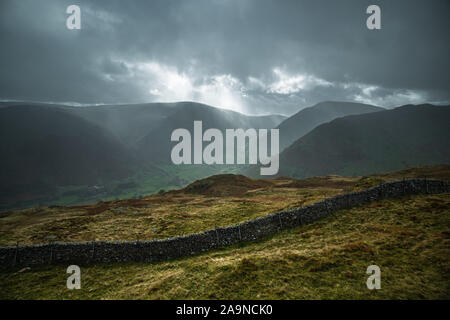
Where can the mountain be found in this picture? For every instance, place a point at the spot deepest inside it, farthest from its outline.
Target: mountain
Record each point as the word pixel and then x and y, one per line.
pixel 410 135
pixel 43 147
pixel 133 123
pixel 307 119
pixel 128 123
pixel 146 129
pixel 47 147
pixel 156 145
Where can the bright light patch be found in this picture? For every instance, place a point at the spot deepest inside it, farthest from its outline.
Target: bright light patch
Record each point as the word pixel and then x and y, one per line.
pixel 390 99
pixel 167 84
pixel 289 84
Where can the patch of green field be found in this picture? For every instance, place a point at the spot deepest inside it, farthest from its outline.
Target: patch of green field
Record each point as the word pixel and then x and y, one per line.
pixel 141 183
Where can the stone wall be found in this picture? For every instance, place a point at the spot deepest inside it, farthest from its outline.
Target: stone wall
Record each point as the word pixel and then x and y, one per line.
pixel 157 250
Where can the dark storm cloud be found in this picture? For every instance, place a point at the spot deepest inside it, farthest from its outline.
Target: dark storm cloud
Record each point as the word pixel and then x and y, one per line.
pixel 254 56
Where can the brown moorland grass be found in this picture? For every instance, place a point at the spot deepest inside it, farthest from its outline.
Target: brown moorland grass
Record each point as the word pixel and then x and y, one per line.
pixel 219 200
pixel 407 237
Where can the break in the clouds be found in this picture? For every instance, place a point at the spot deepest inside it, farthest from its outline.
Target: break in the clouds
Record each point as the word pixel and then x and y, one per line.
pixel 252 56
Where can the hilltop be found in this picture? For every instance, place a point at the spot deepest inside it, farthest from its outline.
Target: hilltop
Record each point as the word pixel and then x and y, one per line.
pixel 225 185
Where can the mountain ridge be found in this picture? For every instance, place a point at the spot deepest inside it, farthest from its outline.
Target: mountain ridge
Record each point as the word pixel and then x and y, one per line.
pixel 358 144
pixel 308 118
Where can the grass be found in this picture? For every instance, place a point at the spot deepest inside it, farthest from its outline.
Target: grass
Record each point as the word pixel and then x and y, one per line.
pixel 408 238
pixel 153 217
pixel 141 183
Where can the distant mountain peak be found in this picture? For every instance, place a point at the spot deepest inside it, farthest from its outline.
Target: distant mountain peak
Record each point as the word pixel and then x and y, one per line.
pixel 309 118
pixel 409 135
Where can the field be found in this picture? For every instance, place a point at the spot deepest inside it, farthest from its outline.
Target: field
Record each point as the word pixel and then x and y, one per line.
pixel 407 237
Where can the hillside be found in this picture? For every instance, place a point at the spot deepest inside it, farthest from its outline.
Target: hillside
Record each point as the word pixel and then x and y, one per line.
pixel 156 145
pixel 406 237
pixel 307 119
pixel 219 200
pixel 56 154
pixel 224 185
pixel 131 123
pixel 373 142
pixel 128 123
pixel 45 147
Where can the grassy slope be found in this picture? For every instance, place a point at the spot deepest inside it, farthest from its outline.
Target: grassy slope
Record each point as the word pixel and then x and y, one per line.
pixel 408 238
pixel 307 119
pixel 372 142
pixel 142 182
pixel 158 216
pixel 173 214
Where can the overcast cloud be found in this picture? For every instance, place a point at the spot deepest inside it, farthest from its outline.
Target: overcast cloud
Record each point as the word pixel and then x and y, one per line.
pixel 252 56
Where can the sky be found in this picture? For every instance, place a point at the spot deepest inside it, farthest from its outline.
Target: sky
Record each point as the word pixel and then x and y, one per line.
pixel 251 56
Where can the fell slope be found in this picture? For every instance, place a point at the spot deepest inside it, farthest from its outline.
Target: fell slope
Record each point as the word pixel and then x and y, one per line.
pixel 45 147
pixel 408 238
pixel 373 142
pixel 220 200
pixel 307 119
pixel 156 145
pixel 225 185
pixel 48 148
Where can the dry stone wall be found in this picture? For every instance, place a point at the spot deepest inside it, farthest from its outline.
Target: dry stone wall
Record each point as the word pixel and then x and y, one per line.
pixel 157 250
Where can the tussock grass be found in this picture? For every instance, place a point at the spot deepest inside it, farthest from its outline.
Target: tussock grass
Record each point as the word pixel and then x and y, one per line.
pixel 154 217
pixel 408 238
